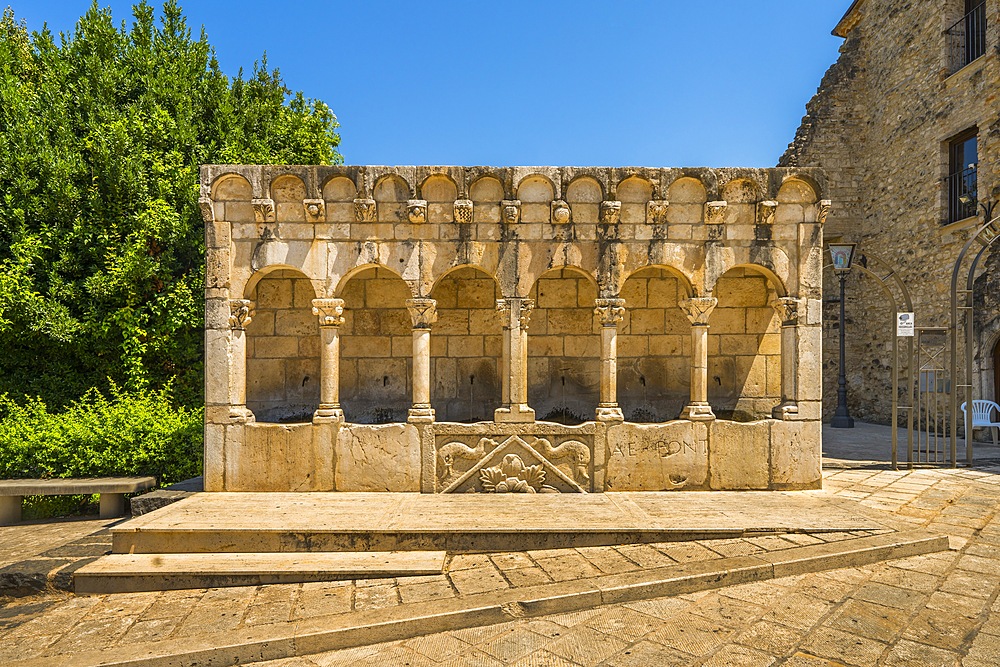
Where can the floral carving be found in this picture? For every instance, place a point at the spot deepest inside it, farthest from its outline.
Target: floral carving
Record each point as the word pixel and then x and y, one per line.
pixel 611 212
pixel 788 310
pixel 240 313
pixel 329 311
pixel 715 212
pixel 656 212
pixel 463 210
pixel 512 476
pixel 611 311
pixel 416 211
pixel 423 312
pixel 365 210
pixel 824 210
pixel 263 210
pixel 698 309
pixel 765 212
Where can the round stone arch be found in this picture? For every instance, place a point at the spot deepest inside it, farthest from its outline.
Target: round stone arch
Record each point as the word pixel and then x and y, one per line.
pixel 466 345
pixel 744 344
pixel 376 346
pixel 282 346
pixel 564 346
pixel 654 345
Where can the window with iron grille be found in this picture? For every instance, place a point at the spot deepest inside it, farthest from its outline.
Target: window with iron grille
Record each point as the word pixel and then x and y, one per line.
pixel 963 161
pixel 967 39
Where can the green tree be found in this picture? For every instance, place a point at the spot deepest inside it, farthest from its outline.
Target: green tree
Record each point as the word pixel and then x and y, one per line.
pixel 101 243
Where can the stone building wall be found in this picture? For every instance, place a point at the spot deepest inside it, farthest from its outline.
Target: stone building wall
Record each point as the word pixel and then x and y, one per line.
pixel 880 126
pixel 572 329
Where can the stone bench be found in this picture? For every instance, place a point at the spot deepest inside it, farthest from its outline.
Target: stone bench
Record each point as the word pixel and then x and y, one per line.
pixel 111 489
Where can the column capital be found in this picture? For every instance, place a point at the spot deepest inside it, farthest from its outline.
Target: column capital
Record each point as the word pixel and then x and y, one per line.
pixel 423 312
pixel 611 311
pixel 329 311
pixel 240 314
pixel 788 308
pixel 506 307
pixel 698 309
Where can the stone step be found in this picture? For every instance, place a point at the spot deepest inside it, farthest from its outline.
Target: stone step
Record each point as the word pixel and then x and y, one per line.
pixel 130 573
pixel 286 522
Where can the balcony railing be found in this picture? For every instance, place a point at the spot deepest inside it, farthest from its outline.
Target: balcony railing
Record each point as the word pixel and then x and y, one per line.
pixel 962 194
pixel 967 39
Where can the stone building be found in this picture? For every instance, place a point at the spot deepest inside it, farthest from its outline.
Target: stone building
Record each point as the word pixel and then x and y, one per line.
pixel 906 124
pixel 450 329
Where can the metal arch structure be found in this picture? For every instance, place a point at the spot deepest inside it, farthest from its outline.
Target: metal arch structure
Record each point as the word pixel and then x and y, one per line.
pixel 883 280
pixel 985 236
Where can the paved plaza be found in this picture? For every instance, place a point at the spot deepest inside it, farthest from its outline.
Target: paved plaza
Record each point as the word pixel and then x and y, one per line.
pixel 935 609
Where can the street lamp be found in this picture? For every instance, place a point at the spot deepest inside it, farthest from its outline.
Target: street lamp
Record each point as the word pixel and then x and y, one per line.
pixel 842 255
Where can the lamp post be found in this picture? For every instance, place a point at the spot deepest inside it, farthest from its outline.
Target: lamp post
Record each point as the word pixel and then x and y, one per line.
pixel 842 255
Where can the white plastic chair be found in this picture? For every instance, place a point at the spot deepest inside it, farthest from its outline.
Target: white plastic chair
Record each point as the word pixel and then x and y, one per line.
pixel 982 416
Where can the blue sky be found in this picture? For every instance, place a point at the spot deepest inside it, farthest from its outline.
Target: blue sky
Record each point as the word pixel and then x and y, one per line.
pixel 581 82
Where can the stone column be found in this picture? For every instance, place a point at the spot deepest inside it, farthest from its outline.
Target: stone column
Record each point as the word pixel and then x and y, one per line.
pixel 611 312
pixel 331 318
pixel 788 311
pixel 423 312
pixel 514 407
pixel 240 315
pixel 698 310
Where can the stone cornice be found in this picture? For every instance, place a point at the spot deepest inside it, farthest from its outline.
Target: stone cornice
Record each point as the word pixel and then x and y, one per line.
pixel 849 20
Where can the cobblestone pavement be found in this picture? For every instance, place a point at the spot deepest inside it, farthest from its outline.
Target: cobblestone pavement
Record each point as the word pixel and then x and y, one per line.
pixel 939 609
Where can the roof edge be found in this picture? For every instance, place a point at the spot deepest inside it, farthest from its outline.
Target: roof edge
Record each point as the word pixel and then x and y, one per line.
pixel 849 20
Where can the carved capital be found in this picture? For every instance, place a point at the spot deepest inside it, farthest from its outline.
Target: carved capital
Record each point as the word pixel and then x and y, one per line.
pixel 463 210
pixel 766 211
pixel 329 311
pixel 698 309
pixel 510 211
pixel 823 210
pixel 263 210
pixel 611 212
pixel 788 310
pixel 423 312
pixel 560 213
pixel 416 211
pixel 207 210
pixel 365 210
pixel 515 306
pixel 315 210
pixel 240 313
pixel 656 212
pixel 715 212
pixel 611 311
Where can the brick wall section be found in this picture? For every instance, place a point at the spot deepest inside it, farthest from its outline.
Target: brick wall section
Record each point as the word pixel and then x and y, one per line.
pixel 879 127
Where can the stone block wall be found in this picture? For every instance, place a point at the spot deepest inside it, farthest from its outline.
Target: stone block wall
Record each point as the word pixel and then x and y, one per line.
pixel 880 127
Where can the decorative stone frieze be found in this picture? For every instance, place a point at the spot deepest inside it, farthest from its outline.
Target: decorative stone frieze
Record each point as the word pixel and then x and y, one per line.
pixel 365 210
pixel 463 211
pixel 656 212
pixel 240 313
pixel 315 210
pixel 610 311
pixel 329 311
pixel 510 211
pixel 611 212
pixel 765 212
pixel 560 213
pixel 263 210
pixel 416 211
pixel 423 312
pixel 715 212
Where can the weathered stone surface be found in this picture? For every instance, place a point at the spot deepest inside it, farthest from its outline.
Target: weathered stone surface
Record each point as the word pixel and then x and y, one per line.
pixel 739 456
pixel 654 457
pixel 377 458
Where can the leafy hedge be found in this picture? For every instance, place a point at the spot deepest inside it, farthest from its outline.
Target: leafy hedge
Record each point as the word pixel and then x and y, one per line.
pixel 126 433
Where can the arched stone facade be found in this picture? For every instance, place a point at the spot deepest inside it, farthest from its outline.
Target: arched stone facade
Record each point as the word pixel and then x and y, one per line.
pixel 598 323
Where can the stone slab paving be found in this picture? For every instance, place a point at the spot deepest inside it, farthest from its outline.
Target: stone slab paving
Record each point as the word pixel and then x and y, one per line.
pixel 936 609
